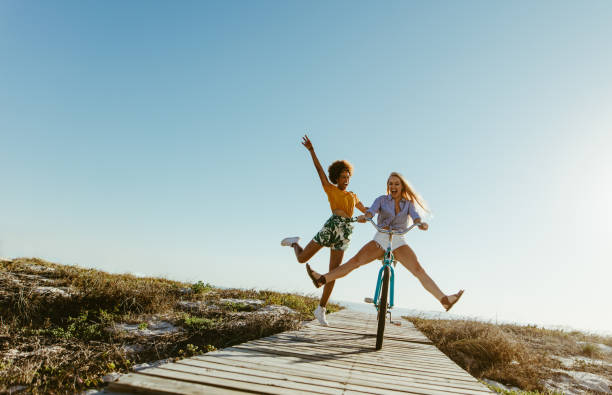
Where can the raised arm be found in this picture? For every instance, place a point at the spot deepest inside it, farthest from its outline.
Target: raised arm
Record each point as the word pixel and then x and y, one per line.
pixel 306 143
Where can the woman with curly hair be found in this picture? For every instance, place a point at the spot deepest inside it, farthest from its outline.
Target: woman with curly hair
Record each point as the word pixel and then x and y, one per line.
pixel 393 211
pixel 336 232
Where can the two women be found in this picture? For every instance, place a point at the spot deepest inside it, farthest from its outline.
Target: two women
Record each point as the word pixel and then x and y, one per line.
pixel 336 232
pixel 393 211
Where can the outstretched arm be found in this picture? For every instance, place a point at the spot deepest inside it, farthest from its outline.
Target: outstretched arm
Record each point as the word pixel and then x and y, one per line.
pixel 306 143
pixel 370 212
pixel 361 207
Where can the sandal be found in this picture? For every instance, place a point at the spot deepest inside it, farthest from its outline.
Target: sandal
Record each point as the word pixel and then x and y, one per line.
pixel 316 281
pixel 447 305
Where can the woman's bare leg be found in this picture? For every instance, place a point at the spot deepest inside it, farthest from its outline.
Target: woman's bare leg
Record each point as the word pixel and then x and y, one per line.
pixel 367 254
pixel 335 259
pixel 408 258
pixel 304 254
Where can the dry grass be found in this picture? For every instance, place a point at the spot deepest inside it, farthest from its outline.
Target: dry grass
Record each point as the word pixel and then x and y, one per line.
pixel 63 341
pixel 486 351
pixel 90 289
pixel 303 304
pixel 517 356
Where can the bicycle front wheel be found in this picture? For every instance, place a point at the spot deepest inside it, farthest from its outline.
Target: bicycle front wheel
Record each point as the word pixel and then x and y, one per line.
pixel 382 308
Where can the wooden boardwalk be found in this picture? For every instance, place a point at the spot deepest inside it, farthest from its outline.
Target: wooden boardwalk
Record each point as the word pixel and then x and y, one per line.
pixel 339 359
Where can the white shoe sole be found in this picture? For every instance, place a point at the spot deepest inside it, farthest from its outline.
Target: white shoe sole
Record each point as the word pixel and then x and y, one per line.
pixel 289 241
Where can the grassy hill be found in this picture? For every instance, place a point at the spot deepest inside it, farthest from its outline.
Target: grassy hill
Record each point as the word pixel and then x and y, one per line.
pixel 63 328
pixel 534 360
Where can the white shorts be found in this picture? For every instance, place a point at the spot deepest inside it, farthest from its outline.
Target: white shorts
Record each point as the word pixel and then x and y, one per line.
pixel 382 239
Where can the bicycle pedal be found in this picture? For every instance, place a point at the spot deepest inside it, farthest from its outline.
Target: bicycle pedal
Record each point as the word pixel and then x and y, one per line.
pixel 368 300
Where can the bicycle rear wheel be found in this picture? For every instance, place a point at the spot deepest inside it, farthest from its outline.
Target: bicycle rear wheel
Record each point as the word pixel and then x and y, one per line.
pixel 382 308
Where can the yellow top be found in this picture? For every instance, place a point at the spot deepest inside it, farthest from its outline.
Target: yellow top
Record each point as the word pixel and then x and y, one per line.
pixel 341 200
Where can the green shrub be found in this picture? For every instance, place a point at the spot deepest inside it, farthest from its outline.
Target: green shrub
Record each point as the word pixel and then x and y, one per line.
pixel 190 350
pixel 83 328
pixel 200 287
pixel 233 306
pixel 590 350
pixel 198 324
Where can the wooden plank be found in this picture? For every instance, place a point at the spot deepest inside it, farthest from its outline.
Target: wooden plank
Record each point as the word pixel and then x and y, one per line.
pixel 329 360
pixel 337 371
pixel 341 377
pixel 330 330
pixel 406 331
pixel 251 377
pixel 338 385
pixel 430 355
pixel 317 341
pixel 375 379
pixel 237 383
pixel 361 361
pixel 372 334
pixel 278 371
pixel 317 366
pixel 320 385
pixel 373 363
pixel 332 351
pixel 135 383
pixel 405 375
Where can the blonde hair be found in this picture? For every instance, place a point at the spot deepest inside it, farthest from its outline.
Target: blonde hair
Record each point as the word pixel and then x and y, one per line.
pixel 408 192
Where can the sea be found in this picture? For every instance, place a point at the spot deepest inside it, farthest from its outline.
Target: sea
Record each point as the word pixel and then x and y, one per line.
pixel 397 312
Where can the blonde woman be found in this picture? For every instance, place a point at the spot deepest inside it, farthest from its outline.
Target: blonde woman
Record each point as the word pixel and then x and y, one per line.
pixel 393 211
pixel 336 231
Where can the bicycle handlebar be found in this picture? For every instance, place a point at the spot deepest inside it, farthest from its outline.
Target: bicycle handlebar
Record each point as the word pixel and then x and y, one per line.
pixel 389 231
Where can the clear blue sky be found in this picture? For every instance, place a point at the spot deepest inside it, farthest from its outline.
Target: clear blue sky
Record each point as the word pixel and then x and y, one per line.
pixel 163 138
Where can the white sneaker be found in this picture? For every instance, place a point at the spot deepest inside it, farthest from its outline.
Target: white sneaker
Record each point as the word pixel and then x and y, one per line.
pixel 289 241
pixel 319 314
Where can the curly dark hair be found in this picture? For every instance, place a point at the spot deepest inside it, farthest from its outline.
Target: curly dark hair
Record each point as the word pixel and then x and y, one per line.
pixel 338 167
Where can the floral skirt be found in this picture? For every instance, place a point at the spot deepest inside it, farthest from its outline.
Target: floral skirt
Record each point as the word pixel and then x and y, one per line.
pixel 336 233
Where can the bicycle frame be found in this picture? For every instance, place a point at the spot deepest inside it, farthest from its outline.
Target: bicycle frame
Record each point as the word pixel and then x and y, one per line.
pixel 387 261
pixel 385 284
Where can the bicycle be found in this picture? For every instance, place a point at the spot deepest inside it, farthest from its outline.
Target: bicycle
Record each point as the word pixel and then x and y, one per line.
pixel 386 278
